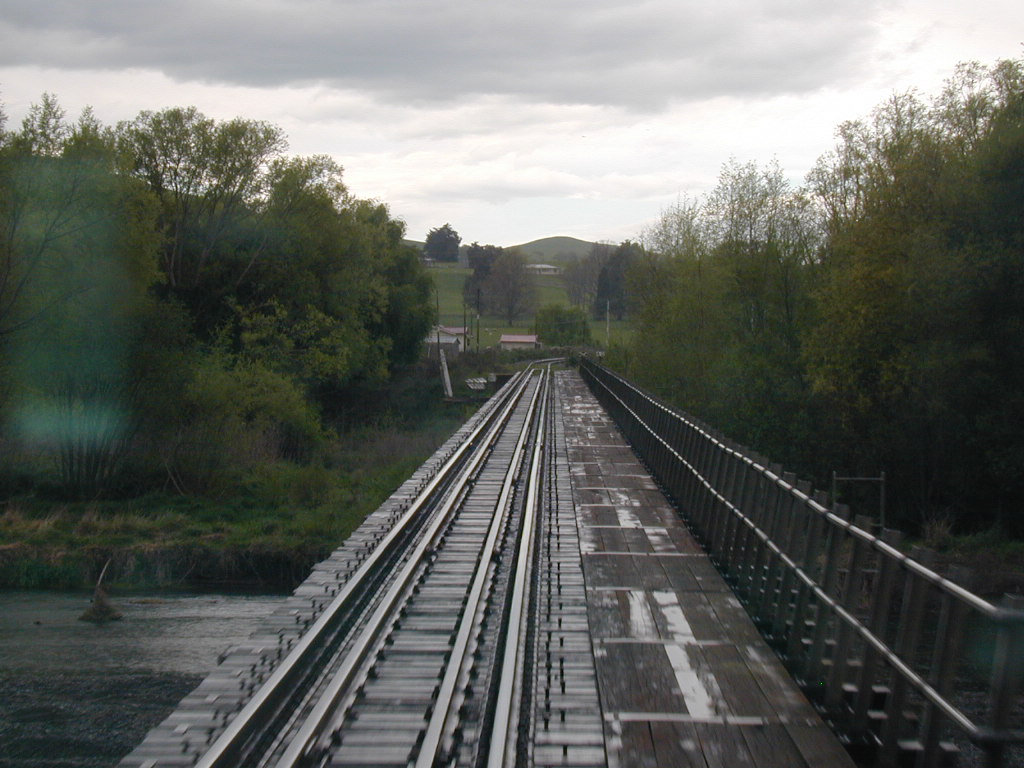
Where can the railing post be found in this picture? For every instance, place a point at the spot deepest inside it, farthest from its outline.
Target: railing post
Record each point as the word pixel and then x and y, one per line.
pixel 731 526
pixel 881 600
pixel 767 587
pixel 1007 665
pixel 907 639
pixel 812 541
pixel 815 659
pixel 785 596
pixel 673 481
pixel 849 596
pixel 948 640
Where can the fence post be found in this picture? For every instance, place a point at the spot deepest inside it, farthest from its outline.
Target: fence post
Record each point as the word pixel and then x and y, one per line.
pixel 849 596
pixel 1006 675
pixel 815 524
pixel 907 639
pixel 815 658
pixel 879 611
pixel 948 640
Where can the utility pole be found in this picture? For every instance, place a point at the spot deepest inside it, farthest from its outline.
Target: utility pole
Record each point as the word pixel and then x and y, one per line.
pixel 607 324
pixel 437 298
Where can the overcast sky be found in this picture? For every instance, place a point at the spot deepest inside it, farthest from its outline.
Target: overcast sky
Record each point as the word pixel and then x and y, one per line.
pixel 510 120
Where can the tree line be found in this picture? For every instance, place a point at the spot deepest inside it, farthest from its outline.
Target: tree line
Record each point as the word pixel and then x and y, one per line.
pixel 180 300
pixel 870 320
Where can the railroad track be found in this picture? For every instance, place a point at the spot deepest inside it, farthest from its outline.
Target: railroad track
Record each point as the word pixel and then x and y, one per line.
pixel 418 656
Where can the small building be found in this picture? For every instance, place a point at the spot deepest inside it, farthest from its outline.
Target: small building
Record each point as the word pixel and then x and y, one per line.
pixel 453 340
pixel 543 269
pixel 518 341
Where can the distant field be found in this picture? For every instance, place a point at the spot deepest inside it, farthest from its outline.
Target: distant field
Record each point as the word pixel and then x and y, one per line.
pixel 448 279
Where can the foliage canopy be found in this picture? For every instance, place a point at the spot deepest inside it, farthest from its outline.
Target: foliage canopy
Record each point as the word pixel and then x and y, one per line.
pixel 178 294
pixel 870 320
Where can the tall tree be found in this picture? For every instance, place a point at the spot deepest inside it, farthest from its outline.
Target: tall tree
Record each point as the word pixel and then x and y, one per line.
pixel 612 290
pixel 560 326
pixel 511 289
pixel 442 244
pixel 481 260
pixel 580 275
pixel 211 179
pixel 912 351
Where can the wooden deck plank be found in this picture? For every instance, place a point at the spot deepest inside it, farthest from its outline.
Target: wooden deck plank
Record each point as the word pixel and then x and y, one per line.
pixel 650 686
pixel 637 748
pixel 740 690
pixel 818 746
pixel 677 744
pixel 683 675
pixel 723 746
pixel 773 747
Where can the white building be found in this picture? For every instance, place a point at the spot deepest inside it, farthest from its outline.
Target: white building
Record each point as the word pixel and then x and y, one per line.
pixel 543 269
pixel 453 340
pixel 518 341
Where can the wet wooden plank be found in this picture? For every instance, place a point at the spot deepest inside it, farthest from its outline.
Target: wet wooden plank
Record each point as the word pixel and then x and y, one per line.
pixel 597 515
pixel 682 672
pixel 636 540
pixel 723 746
pixel 736 622
pixel 650 686
pixel 739 688
pixel 818 746
pixel 651 572
pixel 608 612
pixel 775 682
pixel 772 746
pixel 701 621
pixel 679 575
pixel 677 744
pixel 637 747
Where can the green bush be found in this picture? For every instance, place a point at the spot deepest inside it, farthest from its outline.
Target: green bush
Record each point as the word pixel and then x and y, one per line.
pixel 235 416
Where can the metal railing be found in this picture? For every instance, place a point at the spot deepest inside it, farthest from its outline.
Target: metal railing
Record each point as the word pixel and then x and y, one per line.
pixel 903 663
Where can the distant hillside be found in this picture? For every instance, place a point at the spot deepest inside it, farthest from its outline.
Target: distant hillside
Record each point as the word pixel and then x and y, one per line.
pixel 547 250
pixel 554 250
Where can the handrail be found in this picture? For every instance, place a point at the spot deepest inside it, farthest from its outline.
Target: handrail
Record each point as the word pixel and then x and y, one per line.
pixel 802 570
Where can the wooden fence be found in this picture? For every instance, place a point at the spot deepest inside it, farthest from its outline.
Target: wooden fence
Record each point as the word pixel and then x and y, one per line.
pixel 907 665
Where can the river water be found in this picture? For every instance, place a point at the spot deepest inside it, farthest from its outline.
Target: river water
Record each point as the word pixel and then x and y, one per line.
pixel 78 695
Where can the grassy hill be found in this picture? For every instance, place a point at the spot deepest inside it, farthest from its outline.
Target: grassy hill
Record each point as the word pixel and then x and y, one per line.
pixel 554 250
pixel 547 250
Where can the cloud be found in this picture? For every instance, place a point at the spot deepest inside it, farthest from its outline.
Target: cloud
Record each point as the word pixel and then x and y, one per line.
pixel 639 55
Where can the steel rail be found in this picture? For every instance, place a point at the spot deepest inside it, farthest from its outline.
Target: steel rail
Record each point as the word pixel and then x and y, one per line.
pixel 502 749
pixel 442 717
pixel 313 736
pixel 228 749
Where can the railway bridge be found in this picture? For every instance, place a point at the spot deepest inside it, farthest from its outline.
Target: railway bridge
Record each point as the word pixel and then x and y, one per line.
pixel 582 576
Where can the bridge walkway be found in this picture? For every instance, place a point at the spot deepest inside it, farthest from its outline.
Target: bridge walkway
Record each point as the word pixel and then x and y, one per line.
pixel 683 677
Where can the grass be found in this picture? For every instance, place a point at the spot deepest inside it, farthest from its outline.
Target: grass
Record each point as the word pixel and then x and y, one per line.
pixel 555 250
pixel 279 520
pixel 449 278
pixel 995 558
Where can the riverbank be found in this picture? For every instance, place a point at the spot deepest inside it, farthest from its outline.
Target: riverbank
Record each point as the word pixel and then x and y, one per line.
pixel 263 532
